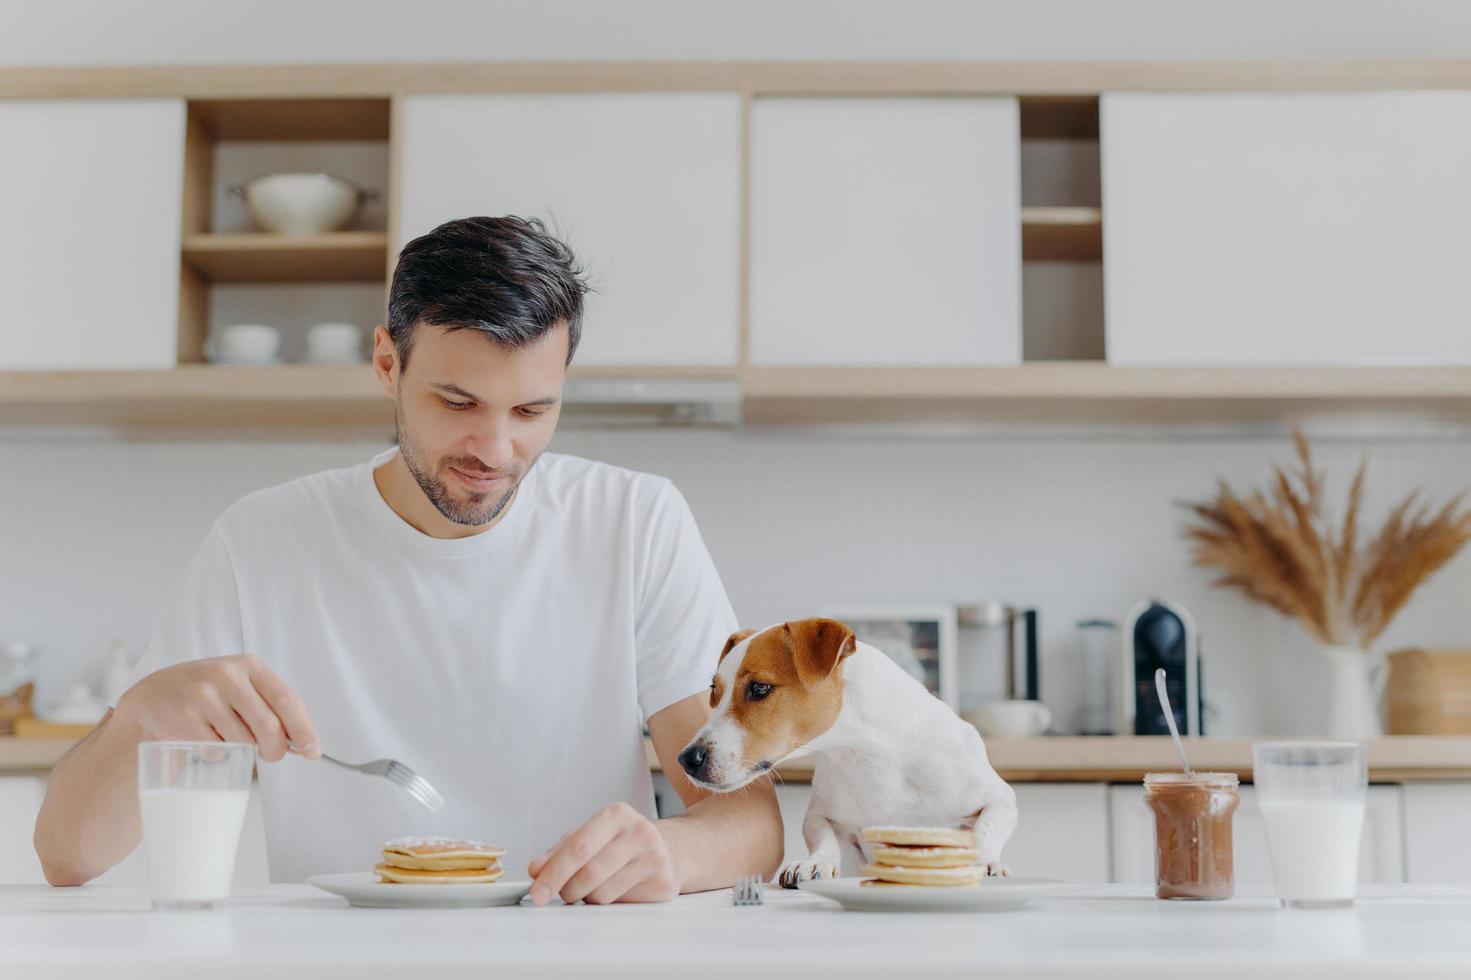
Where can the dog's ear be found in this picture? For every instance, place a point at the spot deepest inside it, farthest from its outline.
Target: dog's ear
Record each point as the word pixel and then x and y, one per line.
pixel 735 638
pixel 818 646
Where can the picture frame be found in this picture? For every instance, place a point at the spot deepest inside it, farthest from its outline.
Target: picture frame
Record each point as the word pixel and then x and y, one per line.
pixel 919 637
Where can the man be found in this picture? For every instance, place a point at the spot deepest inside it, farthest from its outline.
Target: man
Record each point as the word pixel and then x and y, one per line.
pixel 499 619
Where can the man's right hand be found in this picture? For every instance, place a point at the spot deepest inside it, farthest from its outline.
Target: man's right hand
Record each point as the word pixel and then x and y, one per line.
pixel 237 699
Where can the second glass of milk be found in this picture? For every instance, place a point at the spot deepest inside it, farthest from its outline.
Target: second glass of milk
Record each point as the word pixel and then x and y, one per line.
pixel 192 798
pixel 1312 797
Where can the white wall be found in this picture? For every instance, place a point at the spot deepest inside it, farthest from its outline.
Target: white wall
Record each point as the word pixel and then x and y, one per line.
pixel 93 533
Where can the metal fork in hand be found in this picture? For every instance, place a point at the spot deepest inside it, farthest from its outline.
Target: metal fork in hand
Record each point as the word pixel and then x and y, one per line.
pixel 747 891
pixel 405 778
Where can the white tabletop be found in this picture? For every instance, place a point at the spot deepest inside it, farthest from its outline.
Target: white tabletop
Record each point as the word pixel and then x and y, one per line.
pixel 1114 931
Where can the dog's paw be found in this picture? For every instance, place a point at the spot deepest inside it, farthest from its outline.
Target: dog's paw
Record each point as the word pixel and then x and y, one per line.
pixel 996 869
pixel 793 873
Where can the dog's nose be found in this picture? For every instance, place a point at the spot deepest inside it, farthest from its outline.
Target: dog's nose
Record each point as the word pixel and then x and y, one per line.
pixel 694 759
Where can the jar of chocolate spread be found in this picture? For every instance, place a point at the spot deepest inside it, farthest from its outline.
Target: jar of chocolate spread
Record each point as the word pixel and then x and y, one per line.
pixel 1192 832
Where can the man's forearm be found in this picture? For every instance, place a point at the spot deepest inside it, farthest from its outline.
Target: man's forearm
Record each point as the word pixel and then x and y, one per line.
pixel 725 836
pixel 89 820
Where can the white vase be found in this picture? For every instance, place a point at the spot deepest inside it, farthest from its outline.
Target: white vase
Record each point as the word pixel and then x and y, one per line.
pixel 1355 689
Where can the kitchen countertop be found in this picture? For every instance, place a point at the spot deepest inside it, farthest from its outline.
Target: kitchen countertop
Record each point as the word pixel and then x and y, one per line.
pixel 1051 758
pixel 1097 931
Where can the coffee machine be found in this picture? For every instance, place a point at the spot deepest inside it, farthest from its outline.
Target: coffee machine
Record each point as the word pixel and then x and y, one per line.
pixel 1159 633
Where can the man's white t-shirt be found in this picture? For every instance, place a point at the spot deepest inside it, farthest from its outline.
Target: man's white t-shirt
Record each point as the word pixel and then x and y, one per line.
pixel 512 668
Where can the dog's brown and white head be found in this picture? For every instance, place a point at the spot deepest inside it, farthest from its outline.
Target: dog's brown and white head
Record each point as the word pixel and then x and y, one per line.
pixel 774 690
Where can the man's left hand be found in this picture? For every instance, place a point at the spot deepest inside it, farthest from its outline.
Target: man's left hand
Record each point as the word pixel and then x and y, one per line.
pixel 619 855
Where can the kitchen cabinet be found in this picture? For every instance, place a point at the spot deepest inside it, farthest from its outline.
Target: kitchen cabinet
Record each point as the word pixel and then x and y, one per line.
pixel 645 187
pixel 20 802
pixel 1062 832
pixel 1286 228
pixel 90 214
pixel 1381 853
pixel 1435 832
pixel 791 797
pixel 885 231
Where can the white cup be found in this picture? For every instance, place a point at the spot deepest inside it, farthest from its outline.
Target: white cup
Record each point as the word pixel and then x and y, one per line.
pixel 334 343
pixel 246 343
pixel 1011 719
pixel 1312 797
pixel 192 797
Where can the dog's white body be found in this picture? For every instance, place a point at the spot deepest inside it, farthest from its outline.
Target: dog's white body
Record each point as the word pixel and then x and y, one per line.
pixel 894 756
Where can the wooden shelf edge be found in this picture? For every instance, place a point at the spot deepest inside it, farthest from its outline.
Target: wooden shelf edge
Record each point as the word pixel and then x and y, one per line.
pixel 1027 78
pixel 256 241
pixel 1087 393
pixel 1062 234
pixel 1098 379
pixel 343 256
pixel 305 395
pixel 1125 759
pixel 1070 215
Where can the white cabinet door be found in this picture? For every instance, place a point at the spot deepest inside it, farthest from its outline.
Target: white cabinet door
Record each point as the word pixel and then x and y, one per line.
pixel 20 801
pixel 885 231
pixel 1435 833
pixel 1287 228
pixel 91 196
pixel 791 797
pixel 1381 852
pixel 645 187
pixel 1061 832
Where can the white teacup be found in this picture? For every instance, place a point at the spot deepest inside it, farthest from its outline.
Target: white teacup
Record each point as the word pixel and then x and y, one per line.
pixel 246 343
pixel 1011 719
pixel 334 343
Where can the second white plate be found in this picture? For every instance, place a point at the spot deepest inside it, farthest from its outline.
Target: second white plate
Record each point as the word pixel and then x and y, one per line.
pixel 991 895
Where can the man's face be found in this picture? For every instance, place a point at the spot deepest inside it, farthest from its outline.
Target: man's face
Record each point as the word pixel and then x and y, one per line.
pixel 473 417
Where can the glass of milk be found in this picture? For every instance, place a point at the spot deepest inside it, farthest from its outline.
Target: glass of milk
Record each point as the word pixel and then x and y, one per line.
pixel 1311 796
pixel 192 797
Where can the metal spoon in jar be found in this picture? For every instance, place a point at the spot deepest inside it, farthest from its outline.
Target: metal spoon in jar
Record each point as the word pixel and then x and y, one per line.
pixel 1164 702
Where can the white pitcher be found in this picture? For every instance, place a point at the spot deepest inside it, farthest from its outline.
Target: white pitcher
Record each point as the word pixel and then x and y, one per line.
pixel 1355 689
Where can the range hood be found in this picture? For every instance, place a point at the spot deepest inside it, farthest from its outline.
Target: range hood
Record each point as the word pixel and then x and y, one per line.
pixel 617 402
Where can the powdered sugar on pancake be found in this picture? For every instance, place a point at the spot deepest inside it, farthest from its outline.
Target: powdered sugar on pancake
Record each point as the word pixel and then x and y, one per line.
pixel 434 845
pixel 921 836
pixel 964 872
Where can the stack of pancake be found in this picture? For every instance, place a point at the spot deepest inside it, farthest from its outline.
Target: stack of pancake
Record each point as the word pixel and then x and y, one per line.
pixel 921 856
pixel 439 861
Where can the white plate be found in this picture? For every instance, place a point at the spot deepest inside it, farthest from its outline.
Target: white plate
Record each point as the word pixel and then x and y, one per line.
pixel 991 895
pixel 363 889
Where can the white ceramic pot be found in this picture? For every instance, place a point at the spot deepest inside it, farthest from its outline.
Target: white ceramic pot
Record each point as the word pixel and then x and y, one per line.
pixel 1355 692
pixel 301 204
pixel 1011 719
pixel 244 343
pixel 334 343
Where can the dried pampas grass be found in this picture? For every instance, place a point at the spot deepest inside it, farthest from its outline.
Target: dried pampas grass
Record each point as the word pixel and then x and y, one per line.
pixel 1279 547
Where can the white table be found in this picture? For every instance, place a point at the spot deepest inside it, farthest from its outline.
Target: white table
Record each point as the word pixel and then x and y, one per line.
pixel 290 931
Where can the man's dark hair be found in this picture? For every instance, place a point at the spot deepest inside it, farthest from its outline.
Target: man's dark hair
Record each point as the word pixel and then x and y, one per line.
pixel 506 277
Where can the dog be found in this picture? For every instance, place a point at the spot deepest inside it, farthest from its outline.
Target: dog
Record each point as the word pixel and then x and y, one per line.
pixel 888 753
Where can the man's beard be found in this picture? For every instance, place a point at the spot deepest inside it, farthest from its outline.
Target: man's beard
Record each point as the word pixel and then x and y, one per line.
pixel 479 509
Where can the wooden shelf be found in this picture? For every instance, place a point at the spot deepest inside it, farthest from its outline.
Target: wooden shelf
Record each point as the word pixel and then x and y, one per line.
pixel 1087 393
pixel 306 400
pixel 340 256
pixel 288 400
pixel 1059 117
pixel 1062 234
pixel 1126 758
pixel 293 119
